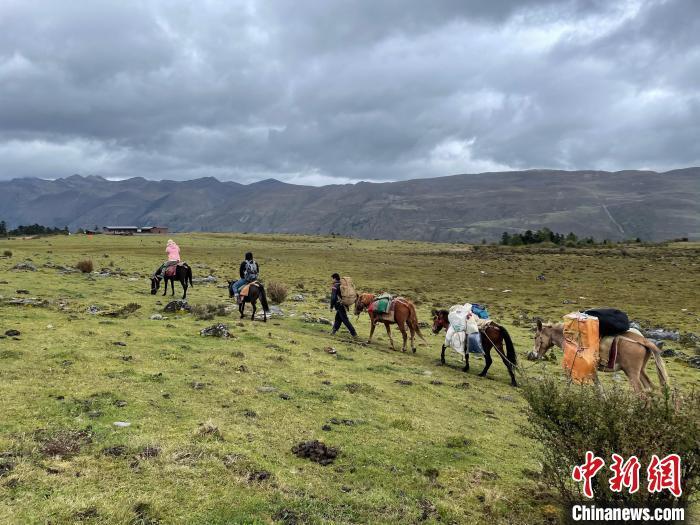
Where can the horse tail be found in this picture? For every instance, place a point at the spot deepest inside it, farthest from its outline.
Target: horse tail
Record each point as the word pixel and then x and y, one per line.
pixel 659 362
pixel 510 347
pixel 413 320
pixel 263 298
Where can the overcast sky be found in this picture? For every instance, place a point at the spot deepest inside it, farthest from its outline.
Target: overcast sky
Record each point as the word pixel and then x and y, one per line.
pixel 326 91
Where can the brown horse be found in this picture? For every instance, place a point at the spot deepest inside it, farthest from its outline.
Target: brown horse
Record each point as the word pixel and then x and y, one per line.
pixel 404 315
pixel 492 336
pixel 633 352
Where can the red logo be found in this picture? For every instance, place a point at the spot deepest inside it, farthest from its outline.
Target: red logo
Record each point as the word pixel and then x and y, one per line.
pixel 662 474
pixel 625 474
pixel 587 471
pixel 665 474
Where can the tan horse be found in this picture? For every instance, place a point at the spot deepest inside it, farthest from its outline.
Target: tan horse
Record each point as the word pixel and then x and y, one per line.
pixel 404 315
pixel 633 352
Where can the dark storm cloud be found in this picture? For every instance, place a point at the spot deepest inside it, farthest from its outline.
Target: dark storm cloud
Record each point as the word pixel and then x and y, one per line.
pixel 334 91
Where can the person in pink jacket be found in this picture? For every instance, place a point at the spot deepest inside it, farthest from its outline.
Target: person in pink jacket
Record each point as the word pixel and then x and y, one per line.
pixel 173 252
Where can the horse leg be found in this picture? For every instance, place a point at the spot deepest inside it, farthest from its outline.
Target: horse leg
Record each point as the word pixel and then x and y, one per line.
pixel 413 337
pixel 646 382
pixel 241 306
pixel 466 362
pixel 252 317
pixel 508 364
pixel 184 289
pixel 633 377
pixel 442 355
pixel 388 332
pixel 598 385
pixel 631 360
pixel 402 328
pixel 373 325
pixel 648 385
pixel 165 290
pixel 487 358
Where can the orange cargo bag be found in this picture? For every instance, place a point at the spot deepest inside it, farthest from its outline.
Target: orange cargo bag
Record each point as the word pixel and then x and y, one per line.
pixel 581 347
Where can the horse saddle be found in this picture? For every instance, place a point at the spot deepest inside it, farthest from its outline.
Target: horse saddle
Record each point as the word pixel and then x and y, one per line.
pixel 246 289
pixel 483 324
pixel 383 304
pixel 171 270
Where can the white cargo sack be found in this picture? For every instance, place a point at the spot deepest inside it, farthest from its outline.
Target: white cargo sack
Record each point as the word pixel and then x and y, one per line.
pixel 462 319
pixel 456 340
pixel 462 323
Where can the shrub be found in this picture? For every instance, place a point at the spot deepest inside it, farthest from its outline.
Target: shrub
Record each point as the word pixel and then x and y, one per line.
pixel 568 421
pixel 85 266
pixel 205 312
pixel 277 292
pixel 7 253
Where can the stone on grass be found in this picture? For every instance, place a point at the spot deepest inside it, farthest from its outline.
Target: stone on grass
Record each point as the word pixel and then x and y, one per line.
pixel 216 330
pixel 25 267
pixel 176 306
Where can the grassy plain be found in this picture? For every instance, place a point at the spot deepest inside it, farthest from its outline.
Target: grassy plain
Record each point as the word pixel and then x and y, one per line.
pixel 209 443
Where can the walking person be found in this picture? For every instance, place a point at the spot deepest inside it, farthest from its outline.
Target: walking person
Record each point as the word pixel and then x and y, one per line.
pixel 341 312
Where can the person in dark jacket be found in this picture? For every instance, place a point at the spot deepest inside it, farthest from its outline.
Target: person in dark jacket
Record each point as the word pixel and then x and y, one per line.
pixel 341 312
pixel 248 271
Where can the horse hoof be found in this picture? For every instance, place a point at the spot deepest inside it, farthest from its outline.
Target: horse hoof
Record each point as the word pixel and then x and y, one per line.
pixel 414 350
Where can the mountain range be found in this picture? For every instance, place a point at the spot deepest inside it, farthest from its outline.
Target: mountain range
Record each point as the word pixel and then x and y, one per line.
pixel 605 205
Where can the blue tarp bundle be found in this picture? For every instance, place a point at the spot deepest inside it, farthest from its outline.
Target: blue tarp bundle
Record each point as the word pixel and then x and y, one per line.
pixel 480 311
pixel 474 344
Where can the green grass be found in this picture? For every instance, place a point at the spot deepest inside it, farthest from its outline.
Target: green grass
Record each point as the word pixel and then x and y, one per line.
pixel 448 446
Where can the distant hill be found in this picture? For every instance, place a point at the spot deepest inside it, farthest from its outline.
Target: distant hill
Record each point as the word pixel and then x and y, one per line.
pixel 617 205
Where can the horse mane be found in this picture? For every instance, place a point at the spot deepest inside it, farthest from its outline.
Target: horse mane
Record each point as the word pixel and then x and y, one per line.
pixel 366 297
pixel 550 324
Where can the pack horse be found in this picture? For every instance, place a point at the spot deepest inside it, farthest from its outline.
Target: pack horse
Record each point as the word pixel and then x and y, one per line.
pixel 402 313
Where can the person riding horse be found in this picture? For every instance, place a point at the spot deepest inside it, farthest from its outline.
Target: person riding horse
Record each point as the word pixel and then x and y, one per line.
pixel 173 252
pixel 248 271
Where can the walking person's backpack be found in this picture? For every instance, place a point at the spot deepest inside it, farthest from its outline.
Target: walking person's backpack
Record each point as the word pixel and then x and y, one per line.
pixel 251 270
pixel 348 295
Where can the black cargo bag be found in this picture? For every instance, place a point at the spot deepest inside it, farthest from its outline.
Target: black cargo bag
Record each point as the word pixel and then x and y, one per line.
pixel 611 321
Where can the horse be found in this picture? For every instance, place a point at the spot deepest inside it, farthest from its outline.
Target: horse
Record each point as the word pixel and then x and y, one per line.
pixel 633 352
pixel 492 336
pixel 256 290
pixel 183 273
pixel 404 315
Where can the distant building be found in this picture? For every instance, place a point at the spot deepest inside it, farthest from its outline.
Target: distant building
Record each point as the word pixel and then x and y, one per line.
pixel 134 230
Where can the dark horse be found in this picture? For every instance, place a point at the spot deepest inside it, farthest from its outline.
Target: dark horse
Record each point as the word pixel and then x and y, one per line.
pixel 256 290
pixel 493 336
pixel 183 273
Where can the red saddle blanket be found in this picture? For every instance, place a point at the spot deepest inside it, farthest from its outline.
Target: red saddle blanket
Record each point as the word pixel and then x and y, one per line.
pixel 170 271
